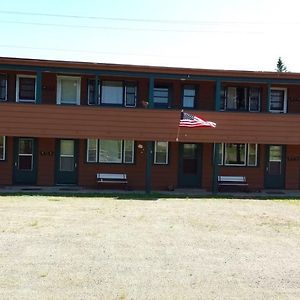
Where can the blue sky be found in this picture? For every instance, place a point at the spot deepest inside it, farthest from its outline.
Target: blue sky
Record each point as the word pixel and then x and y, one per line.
pixel 231 34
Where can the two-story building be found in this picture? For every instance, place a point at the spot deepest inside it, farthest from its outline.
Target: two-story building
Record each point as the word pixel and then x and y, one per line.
pixel 64 122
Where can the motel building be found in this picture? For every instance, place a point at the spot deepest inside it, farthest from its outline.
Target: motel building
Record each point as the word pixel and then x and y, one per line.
pixel 64 122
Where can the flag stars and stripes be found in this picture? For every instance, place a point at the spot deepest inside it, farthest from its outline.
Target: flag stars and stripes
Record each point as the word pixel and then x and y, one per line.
pixel 188 120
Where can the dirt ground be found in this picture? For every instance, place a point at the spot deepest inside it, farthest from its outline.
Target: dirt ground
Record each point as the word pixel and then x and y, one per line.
pixel 102 248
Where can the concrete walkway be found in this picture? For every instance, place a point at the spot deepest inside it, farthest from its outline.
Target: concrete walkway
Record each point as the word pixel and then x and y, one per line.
pixel 177 192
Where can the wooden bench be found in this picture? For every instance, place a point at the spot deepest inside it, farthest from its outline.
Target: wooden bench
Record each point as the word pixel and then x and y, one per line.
pixel 232 183
pixel 111 178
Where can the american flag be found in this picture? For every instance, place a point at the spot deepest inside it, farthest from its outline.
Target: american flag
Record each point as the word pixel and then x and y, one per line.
pixel 188 120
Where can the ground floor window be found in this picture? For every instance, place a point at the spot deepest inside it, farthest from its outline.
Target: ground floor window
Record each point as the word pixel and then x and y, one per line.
pixel 110 151
pixel 2 147
pixel 231 154
pixel 161 150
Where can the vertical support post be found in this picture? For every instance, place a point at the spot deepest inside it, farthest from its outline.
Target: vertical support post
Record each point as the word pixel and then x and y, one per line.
pixel 215 169
pixel 268 97
pixel 149 150
pixel 96 90
pixel 149 156
pixel 215 172
pixel 218 95
pixel 38 87
pixel 151 92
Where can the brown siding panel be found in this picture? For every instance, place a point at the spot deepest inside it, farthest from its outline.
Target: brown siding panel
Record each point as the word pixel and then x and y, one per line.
pixel 292 167
pixel 6 166
pixel 49 88
pixel 144 124
pixel 46 162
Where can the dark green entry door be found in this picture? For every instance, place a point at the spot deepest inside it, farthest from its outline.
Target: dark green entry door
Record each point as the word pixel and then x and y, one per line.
pixel 25 169
pixel 275 167
pixel 66 162
pixel 190 165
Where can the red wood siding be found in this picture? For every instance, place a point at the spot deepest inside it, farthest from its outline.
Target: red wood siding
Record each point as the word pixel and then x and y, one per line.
pixel 144 124
pixel 46 162
pixel 292 167
pixel 6 166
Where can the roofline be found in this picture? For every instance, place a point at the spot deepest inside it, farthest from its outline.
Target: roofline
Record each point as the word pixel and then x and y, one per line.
pixel 146 68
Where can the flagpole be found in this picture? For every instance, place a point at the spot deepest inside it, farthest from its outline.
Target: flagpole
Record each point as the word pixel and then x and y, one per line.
pixel 177 133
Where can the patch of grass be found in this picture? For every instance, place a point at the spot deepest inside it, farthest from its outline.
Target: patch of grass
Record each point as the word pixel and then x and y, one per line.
pixel 153 196
pixel 33 224
pixel 54 199
pixel 123 296
pixel 289 200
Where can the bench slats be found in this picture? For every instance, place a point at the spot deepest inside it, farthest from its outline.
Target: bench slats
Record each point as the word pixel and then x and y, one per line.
pixel 111 178
pixel 232 181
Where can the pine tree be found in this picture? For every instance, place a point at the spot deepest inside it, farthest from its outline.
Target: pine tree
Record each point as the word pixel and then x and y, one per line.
pixel 280 66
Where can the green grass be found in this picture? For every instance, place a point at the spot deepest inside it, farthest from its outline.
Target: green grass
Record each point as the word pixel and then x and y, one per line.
pixel 154 196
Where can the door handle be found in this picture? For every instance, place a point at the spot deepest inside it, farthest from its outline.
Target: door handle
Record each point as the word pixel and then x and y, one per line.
pixel 75 165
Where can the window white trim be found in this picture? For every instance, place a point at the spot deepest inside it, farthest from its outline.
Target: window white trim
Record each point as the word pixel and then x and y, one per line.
pixel 18 88
pixel 89 89
pixel 222 149
pixel 58 95
pixel 189 87
pixel 125 95
pixel 166 155
pixel 284 110
pixel 132 151
pixel 4 149
pixel 87 151
pixel 122 152
pixel 249 99
pixel 248 155
pixel 5 75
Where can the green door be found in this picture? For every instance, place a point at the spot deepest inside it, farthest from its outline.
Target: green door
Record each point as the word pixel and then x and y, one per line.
pixel 66 162
pixel 190 165
pixel 275 167
pixel 25 163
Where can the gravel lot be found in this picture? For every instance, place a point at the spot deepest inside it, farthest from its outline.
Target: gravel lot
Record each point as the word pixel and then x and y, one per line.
pixel 101 248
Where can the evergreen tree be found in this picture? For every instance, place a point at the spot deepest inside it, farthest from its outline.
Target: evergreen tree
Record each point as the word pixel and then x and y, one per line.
pixel 280 66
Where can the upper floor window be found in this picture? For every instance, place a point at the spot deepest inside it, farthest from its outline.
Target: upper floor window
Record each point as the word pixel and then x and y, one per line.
pixel 110 151
pixel 112 92
pixel 26 88
pixel 240 99
pixel 92 100
pixel 189 96
pixel 278 100
pixel 117 93
pixel 161 96
pixel 161 153
pixel 231 154
pixel 2 147
pixel 68 90
pixel 3 87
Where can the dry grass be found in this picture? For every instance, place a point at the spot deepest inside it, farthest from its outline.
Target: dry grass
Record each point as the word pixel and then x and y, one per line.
pixel 93 248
